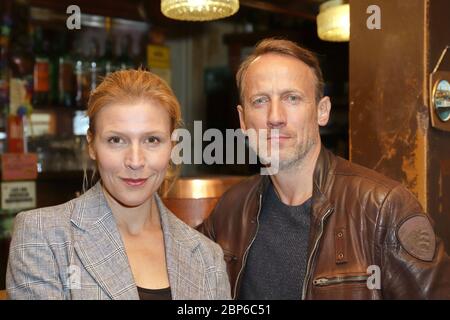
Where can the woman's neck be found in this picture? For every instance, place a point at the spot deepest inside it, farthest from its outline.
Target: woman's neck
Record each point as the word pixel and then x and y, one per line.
pixel 134 220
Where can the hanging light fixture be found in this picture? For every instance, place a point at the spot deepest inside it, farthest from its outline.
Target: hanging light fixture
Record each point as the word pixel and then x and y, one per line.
pixel 333 21
pixel 199 10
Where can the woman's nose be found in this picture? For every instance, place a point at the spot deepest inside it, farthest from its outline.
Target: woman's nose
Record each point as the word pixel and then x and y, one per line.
pixel 135 158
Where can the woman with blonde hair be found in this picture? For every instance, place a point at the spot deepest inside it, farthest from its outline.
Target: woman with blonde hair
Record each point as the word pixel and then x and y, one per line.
pixel 118 240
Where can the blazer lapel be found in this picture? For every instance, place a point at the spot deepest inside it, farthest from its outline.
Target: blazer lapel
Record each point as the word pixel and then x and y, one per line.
pixel 185 263
pixel 100 247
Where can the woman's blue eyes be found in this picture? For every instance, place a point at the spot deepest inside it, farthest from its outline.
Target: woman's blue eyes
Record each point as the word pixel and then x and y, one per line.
pixel 119 140
pixel 115 140
pixel 153 140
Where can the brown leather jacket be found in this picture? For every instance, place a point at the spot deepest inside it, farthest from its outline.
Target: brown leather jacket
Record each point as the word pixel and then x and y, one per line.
pixel 359 219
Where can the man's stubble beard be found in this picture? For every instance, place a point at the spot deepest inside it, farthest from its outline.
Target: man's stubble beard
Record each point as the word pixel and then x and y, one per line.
pixel 295 159
pixel 298 157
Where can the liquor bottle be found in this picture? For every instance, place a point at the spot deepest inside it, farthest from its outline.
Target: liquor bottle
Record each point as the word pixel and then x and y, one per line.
pixel 108 63
pixel 21 73
pixel 66 76
pixel 81 78
pixel 126 53
pixel 17 140
pixel 5 28
pixel 94 67
pixel 21 53
pixel 53 55
pixel 41 71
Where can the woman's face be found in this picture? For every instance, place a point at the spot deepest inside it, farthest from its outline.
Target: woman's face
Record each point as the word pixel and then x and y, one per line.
pixel 132 148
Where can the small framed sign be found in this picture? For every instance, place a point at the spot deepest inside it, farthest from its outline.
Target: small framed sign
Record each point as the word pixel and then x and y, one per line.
pixel 18 195
pixel 19 166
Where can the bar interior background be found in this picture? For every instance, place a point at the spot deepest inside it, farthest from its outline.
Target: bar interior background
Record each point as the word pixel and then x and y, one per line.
pixel 378 83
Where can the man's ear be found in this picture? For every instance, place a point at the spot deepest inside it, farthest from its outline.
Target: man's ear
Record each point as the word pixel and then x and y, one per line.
pixel 323 111
pixel 90 142
pixel 240 110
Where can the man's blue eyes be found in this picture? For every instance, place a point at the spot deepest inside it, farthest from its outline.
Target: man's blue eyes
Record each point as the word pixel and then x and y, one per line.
pixel 289 98
pixel 293 98
pixel 260 100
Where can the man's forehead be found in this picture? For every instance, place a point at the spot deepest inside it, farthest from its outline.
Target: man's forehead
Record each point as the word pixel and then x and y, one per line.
pixel 280 59
pixel 278 74
pixel 269 65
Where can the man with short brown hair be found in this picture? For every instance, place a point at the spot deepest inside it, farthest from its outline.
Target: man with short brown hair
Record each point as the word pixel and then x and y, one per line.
pixel 321 227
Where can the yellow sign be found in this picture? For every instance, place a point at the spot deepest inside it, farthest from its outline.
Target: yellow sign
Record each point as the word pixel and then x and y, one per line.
pixel 158 57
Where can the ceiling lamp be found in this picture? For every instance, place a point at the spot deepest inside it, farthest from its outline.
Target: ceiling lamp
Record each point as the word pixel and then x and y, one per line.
pixel 333 21
pixel 199 10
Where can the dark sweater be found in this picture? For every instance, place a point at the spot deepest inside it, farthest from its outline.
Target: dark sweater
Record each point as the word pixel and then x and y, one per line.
pixel 276 263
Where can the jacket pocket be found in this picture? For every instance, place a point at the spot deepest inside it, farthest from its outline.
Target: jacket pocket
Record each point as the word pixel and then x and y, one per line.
pixel 340 279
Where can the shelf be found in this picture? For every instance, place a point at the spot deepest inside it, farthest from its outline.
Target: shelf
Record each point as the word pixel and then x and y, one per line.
pixel 120 9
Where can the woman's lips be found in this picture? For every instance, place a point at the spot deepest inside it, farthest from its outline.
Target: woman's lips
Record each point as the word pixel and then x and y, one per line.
pixel 134 182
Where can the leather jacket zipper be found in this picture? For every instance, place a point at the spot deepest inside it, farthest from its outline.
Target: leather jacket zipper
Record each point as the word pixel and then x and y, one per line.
pixel 316 244
pixel 327 281
pixel 244 260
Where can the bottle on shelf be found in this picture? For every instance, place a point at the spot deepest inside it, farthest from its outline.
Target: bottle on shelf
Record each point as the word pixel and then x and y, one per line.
pixel 21 53
pixel 81 78
pixel 16 131
pixel 66 75
pixel 41 71
pixel 108 61
pixel 53 56
pixel 5 28
pixel 21 66
pixel 94 67
pixel 126 53
pixel 20 57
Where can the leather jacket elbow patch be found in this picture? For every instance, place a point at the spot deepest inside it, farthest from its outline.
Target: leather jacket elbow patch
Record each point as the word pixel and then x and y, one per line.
pixel 415 234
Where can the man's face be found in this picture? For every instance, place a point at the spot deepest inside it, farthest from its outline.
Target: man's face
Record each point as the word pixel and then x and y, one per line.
pixel 279 93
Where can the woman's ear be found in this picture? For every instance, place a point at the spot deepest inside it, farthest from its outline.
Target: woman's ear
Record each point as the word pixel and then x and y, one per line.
pixel 90 142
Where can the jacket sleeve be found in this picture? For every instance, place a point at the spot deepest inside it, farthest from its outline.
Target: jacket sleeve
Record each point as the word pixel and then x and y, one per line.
pixel 32 271
pixel 223 291
pixel 414 264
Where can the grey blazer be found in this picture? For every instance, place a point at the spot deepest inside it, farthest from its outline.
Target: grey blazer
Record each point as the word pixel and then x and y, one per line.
pixel 74 251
